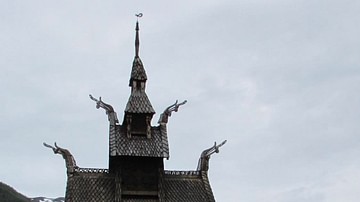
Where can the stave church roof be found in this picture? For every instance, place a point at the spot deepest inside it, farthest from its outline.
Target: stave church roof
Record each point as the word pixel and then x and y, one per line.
pixel 136 152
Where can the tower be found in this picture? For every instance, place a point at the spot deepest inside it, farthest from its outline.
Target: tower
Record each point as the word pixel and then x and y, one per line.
pixel 137 149
pixel 136 155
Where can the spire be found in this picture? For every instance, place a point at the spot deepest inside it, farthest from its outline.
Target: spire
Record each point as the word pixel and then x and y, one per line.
pixel 138 101
pixel 138 72
pixel 137 41
pixel 138 110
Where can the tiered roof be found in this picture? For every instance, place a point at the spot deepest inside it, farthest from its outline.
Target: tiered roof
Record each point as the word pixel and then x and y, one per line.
pixel 157 146
pixel 107 185
pixel 138 100
pixel 94 186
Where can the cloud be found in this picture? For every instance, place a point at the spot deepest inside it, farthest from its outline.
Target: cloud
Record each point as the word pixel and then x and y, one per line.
pixel 277 79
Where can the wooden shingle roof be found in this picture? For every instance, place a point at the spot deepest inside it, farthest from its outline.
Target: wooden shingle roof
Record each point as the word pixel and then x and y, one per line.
pixel 136 149
pixel 90 186
pixel 180 186
pixel 156 146
pixel 93 186
pixel 137 71
pixel 139 103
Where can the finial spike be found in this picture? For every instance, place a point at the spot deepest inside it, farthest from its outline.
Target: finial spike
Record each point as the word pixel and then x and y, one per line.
pixel 137 41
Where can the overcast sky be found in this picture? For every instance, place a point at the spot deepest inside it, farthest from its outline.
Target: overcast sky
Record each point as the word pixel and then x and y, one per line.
pixel 280 80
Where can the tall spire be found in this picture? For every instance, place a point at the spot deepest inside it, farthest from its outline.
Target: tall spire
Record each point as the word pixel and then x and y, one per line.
pixel 138 111
pixel 137 41
pixel 138 101
pixel 138 72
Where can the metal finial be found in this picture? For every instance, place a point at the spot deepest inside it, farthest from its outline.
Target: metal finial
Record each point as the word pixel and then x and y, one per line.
pixel 139 15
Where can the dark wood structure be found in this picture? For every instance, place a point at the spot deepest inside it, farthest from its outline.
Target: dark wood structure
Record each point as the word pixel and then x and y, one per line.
pixel 136 153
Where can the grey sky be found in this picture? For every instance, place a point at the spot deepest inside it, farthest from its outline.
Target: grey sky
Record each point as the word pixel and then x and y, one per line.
pixel 280 80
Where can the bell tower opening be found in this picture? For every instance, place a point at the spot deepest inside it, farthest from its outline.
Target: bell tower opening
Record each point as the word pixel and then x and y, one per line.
pixel 138 125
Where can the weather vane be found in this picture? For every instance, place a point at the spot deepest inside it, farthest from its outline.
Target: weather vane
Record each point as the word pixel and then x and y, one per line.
pixel 139 15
